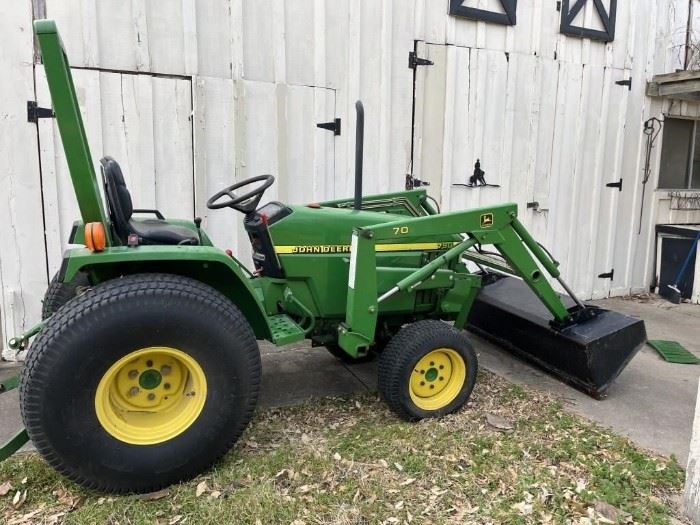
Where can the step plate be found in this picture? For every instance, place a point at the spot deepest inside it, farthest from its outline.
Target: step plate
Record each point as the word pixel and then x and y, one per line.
pixel 588 356
pixel 284 330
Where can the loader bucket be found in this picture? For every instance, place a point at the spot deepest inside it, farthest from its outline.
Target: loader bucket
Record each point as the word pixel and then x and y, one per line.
pixel 588 355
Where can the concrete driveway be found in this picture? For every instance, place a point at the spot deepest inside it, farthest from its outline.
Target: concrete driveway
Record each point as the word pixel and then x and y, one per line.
pixel 652 401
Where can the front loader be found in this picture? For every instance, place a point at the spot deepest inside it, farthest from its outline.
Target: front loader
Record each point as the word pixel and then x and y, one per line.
pixel 146 367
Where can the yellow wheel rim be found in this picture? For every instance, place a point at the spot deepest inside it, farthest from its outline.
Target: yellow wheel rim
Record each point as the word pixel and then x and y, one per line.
pixel 437 379
pixel 150 395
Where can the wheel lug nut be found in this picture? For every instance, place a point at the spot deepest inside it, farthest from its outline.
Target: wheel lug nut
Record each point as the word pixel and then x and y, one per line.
pixel 432 386
pixel 134 390
pixel 166 386
pixel 422 383
pixel 432 363
pixel 165 370
pixel 442 366
pixel 151 396
pixel 149 363
pixel 422 371
pixel 442 378
pixel 133 374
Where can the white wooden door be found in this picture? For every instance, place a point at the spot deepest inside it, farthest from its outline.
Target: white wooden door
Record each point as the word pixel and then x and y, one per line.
pixel 144 122
pixel 545 131
pixel 174 162
pixel 247 128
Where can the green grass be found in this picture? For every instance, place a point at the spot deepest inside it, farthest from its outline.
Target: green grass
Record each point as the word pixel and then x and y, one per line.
pixel 349 460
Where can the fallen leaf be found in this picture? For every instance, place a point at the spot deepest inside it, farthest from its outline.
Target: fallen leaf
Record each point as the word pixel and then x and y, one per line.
pixel 5 488
pixel 55 519
pixel 151 496
pixel 19 499
pixel 523 508
pixel 407 482
pixel 201 488
pixel 607 511
pixel 215 494
pixel 498 422
pixel 398 466
pixel 175 519
pixel 24 480
pixel 337 457
pixel 26 518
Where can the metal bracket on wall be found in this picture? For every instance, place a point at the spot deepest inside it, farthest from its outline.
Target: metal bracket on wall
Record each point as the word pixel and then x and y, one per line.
pixel 34 112
pixel 507 17
pixel 607 275
pixel 333 126
pixel 414 60
pixel 617 185
pixel 627 82
pixel 607 19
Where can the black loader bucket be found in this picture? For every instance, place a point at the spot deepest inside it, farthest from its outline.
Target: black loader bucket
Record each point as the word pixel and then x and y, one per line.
pixel 588 355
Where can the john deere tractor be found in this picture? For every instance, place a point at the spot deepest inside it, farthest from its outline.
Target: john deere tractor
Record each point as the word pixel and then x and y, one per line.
pixel 146 368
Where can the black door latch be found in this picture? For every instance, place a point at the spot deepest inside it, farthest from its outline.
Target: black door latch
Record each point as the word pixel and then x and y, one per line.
pixel 333 126
pixel 414 61
pixel 617 185
pixel 34 112
pixel 607 275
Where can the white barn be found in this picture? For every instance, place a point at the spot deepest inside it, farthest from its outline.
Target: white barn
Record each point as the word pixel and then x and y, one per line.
pixel 190 95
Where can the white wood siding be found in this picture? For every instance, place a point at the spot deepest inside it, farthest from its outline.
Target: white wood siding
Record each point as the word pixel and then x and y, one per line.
pixel 189 96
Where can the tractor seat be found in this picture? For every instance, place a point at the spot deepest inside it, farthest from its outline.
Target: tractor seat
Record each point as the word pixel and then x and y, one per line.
pixel 149 231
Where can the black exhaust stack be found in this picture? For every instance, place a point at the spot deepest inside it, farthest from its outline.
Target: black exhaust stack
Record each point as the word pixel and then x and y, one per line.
pixel 359 150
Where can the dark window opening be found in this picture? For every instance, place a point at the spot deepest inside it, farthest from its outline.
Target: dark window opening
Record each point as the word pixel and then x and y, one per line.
pixel 570 9
pixel 507 17
pixel 679 168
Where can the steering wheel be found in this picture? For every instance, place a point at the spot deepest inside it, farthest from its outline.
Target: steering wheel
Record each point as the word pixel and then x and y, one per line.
pixel 245 203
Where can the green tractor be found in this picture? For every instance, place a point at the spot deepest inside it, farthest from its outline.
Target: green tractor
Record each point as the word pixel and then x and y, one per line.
pixel 146 368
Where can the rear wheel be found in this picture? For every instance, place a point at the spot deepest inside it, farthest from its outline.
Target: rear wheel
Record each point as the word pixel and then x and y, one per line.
pixel 142 383
pixel 427 370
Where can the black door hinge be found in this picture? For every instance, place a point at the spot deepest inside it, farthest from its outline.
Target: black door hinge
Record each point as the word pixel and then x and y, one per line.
pixel 617 185
pixel 34 112
pixel 607 275
pixel 559 5
pixel 414 61
pixel 333 126
pixel 626 82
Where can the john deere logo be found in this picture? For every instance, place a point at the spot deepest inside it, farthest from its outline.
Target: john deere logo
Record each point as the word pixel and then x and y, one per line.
pixel 486 220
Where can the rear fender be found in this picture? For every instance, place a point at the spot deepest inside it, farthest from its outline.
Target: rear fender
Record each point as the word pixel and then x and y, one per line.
pixel 207 264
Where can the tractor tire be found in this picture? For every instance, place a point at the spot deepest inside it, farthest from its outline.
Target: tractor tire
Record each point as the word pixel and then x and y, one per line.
pixel 144 382
pixel 59 293
pixel 427 370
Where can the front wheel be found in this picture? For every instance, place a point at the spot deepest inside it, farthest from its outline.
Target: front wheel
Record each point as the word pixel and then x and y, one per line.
pixel 142 383
pixel 427 370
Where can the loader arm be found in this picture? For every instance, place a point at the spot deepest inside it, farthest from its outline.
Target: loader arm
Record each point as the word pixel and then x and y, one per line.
pixel 495 225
